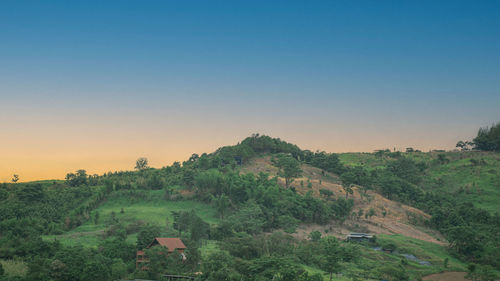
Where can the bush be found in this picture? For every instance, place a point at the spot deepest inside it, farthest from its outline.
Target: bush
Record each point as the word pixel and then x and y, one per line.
pixel 315 235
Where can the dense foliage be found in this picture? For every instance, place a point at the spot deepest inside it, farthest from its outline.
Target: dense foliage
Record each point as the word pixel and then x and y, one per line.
pixel 488 139
pixel 247 205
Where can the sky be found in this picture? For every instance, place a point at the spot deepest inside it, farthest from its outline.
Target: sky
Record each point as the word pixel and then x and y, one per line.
pixel 97 84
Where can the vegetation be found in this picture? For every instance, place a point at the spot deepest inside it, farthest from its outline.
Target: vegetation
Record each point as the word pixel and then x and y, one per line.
pixel 488 139
pixel 237 226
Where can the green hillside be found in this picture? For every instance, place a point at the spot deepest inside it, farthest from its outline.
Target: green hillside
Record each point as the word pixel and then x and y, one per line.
pixel 469 176
pixel 243 225
pixel 151 208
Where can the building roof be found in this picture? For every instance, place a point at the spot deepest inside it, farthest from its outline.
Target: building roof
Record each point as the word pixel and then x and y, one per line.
pixel 170 243
pixel 359 235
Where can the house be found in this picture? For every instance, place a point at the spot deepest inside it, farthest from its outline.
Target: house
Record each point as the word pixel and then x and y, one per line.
pixel 173 244
pixel 360 237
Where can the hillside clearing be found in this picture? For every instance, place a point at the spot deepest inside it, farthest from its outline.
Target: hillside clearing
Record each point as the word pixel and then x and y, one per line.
pixel 390 217
pixel 152 209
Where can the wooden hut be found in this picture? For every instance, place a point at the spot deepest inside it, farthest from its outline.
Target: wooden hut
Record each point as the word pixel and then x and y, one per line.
pixel 173 244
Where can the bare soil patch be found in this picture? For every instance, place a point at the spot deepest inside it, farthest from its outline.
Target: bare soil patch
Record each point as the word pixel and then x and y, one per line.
pixel 390 217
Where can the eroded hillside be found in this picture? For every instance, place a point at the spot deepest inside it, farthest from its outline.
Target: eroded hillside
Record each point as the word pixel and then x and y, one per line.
pixel 387 216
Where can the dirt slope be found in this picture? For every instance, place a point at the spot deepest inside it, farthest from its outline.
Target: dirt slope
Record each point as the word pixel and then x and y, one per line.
pixel 398 218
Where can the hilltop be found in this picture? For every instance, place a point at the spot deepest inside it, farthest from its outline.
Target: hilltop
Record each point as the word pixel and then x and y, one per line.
pixel 262 209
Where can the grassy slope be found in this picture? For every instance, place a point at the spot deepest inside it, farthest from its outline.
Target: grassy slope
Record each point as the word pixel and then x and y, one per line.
pixel 484 181
pixel 470 176
pixel 14 268
pixel 480 182
pixel 423 250
pixel 153 209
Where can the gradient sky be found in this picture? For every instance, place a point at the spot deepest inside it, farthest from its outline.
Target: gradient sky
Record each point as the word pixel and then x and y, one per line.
pixel 97 84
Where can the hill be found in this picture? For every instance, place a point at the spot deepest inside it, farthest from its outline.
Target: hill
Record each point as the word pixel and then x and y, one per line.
pixel 260 210
pixel 388 216
pixel 470 176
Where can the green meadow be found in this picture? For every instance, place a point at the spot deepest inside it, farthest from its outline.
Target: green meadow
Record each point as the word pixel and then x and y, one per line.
pixel 152 209
pixel 469 176
pixel 14 268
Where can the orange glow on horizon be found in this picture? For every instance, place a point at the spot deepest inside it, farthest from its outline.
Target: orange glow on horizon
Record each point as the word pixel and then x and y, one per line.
pixel 44 159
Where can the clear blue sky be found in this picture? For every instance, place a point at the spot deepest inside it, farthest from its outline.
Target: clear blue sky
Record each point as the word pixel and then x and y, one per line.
pixel 176 77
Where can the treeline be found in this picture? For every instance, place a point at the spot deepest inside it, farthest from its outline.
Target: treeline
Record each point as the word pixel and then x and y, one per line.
pixel 488 138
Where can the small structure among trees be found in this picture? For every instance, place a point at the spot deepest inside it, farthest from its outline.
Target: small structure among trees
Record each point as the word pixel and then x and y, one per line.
pixel 172 244
pixel 360 237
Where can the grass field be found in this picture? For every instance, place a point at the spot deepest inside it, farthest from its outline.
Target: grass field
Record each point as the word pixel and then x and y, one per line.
pixel 475 178
pixel 151 210
pixel 14 268
pixel 425 251
pixel 469 176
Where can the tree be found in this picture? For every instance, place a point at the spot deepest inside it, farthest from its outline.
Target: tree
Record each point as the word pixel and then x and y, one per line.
pixel 141 164
pixel 326 193
pixel 158 261
pixel 347 183
pixel 222 204
pixel 331 255
pixel 488 138
pixel 96 217
pixel 464 145
pixel 77 179
pixel 249 218
pixel 464 240
pixel 406 169
pixel 15 178
pixel 472 273
pixel 147 235
pixel 289 168
pixel 355 176
pixel 118 269
pixel 198 228
pixel 315 235
pixel 96 269
pixel 218 267
pixel 371 213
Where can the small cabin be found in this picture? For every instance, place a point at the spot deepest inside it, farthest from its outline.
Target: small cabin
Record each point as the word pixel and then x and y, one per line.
pixel 360 237
pixel 173 244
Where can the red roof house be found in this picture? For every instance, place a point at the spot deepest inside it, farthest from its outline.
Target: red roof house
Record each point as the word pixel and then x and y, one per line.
pixel 173 244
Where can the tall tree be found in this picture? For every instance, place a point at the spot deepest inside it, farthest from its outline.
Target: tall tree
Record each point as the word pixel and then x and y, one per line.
pixel 222 204
pixel 331 255
pixel 289 168
pixel 488 138
pixel 347 179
